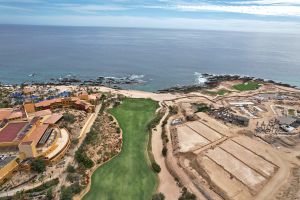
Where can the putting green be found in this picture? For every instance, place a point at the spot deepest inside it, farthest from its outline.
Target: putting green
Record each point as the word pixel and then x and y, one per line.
pixel 251 85
pixel 129 175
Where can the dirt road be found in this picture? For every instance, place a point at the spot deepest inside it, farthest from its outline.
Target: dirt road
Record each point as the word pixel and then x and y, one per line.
pixel 167 184
pixel 171 161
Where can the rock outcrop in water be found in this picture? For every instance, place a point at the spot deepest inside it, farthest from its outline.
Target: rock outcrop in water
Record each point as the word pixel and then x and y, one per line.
pixel 213 81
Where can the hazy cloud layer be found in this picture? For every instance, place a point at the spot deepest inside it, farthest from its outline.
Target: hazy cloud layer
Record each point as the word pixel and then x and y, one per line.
pixel 275 13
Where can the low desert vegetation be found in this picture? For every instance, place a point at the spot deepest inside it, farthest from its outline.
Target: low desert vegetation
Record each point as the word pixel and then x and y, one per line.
pixel 220 92
pixel 159 196
pixel 38 165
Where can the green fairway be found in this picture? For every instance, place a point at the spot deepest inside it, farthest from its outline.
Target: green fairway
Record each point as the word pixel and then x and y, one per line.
pixel 251 85
pixel 128 176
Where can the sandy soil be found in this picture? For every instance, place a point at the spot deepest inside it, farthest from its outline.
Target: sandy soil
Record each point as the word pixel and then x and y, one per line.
pixel 177 171
pixel 257 163
pixel 167 184
pixel 257 147
pixel 227 185
pixel 204 130
pixel 216 125
pixel 280 178
pixel 189 139
pixel 238 169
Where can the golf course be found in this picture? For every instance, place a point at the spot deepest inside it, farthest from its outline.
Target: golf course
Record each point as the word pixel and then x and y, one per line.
pixel 251 85
pixel 129 175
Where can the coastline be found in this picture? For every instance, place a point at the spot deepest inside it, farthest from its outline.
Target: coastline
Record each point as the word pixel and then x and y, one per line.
pixel 131 82
pixel 173 95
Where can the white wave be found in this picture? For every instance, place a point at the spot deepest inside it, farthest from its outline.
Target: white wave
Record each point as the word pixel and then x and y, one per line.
pixel 200 79
pixel 136 76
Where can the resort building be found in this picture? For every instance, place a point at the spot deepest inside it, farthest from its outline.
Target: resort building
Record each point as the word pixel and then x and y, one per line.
pixel 10 114
pixel 39 137
pixel 51 104
pixel 8 164
pixel 34 132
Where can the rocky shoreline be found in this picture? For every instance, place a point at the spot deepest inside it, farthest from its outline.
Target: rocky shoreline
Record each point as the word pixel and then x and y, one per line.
pixel 113 82
pixel 213 81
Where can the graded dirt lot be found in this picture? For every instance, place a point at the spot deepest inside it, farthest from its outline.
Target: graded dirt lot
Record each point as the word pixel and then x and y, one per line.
pixel 237 169
pixel 222 182
pixel 189 139
pixel 215 124
pixel 204 130
pixel 259 148
pixel 254 161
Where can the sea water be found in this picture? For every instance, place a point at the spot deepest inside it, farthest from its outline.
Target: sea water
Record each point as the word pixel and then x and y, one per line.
pixel 160 57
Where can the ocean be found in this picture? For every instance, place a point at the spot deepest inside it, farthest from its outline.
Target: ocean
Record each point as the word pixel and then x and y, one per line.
pixel 160 57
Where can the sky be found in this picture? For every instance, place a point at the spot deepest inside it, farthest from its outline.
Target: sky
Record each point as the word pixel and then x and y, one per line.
pixel 282 16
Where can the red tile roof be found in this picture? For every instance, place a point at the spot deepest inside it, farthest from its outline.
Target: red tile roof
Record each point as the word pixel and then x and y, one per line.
pixel 37 134
pixel 9 113
pixel 15 115
pixel 10 132
pixel 5 112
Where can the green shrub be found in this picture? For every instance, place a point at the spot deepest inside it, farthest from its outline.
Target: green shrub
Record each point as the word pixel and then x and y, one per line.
pixel 173 110
pixel 159 196
pixel 44 186
pixel 164 151
pixel 68 117
pixel 38 165
pixel 83 159
pixel 72 177
pixel 202 107
pixel 90 137
pixel 155 121
pixel 49 195
pixel 66 193
pixel 156 168
pixel 75 141
pixel 71 169
pixel 186 195
pixel 75 188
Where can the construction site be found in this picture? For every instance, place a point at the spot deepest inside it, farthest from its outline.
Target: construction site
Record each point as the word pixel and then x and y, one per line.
pixel 243 145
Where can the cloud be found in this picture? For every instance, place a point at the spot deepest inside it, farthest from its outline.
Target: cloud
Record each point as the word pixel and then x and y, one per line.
pixel 14 8
pixel 252 7
pixel 21 1
pixel 147 22
pixel 90 8
pixel 162 11
pixel 254 10
pixel 269 2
